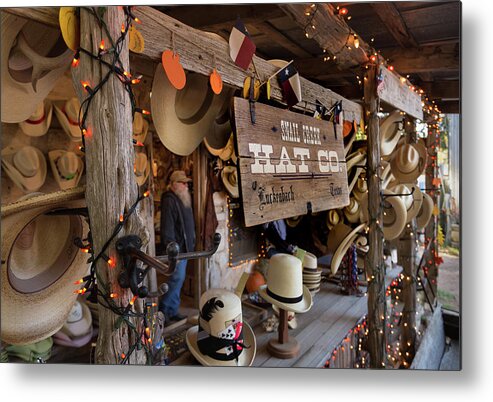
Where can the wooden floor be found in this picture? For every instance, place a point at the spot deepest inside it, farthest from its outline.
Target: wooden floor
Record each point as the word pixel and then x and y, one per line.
pixel 319 330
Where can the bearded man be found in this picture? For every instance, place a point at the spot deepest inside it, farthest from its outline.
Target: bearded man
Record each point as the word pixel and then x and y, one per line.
pixel 177 225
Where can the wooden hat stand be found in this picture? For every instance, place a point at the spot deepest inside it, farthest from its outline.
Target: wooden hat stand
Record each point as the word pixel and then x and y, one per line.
pixel 284 346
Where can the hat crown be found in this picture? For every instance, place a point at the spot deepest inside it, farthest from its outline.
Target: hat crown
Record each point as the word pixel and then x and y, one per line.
pixel 333 217
pixel 407 199
pixel 138 124
pixel 353 206
pixel 220 311
pixel 39 112
pixel 72 107
pixel 194 100
pixel 285 276
pixel 26 161
pixel 68 165
pixel 310 261
pixel 407 158
pixel 140 163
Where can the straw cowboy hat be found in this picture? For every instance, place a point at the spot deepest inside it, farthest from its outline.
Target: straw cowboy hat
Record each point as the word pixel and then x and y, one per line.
pixel 38 271
pixel 284 286
pixel 394 214
pixel 182 118
pixel 67 168
pixel 26 167
pixel 225 153
pixel 311 273
pixel 293 221
pixel 354 163
pixel 219 132
pixel 142 168
pixel 77 330
pixel 229 176
pixel 292 321
pixel 68 116
pixel 390 132
pixel 425 212
pixel 339 240
pixel 27 74
pixel 386 175
pixel 39 122
pixel 408 162
pixel 412 202
pixel 333 218
pixel 140 126
pixel 360 189
pixel 352 211
pixel 221 337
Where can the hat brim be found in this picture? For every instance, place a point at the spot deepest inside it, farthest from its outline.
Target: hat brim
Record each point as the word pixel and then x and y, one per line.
pixel 301 307
pixel 26 184
pixel 29 317
pixel 232 190
pixel 393 231
pixel 40 129
pixel 245 359
pixel 342 248
pixel 425 212
pixel 53 156
pixel 389 133
pixel 72 130
pixel 179 136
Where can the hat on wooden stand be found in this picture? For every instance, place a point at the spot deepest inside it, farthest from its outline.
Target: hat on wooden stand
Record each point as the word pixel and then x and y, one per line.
pixel 284 286
pixel 26 167
pixel 38 271
pixel 32 60
pixel 221 337
pixel 39 122
pixel 67 168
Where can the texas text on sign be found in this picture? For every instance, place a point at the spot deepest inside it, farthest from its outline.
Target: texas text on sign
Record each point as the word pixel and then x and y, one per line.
pixel 288 163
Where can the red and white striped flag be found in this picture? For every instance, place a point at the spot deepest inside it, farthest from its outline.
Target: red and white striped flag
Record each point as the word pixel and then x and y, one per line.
pixel 241 47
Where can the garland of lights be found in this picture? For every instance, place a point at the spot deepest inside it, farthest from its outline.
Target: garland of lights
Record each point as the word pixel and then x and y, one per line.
pixel 93 284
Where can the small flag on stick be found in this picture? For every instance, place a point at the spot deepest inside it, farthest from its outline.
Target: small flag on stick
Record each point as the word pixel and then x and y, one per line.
pixel 241 47
pixel 289 81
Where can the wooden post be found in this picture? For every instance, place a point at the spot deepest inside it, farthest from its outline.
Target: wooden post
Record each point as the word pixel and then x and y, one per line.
pixel 374 265
pixel 111 186
pixel 431 231
pixel 407 257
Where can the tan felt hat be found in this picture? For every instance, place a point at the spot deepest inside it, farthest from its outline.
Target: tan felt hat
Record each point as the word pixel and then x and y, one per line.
pixel 38 271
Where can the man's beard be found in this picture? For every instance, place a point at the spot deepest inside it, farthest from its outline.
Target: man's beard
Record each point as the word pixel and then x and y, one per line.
pixel 185 197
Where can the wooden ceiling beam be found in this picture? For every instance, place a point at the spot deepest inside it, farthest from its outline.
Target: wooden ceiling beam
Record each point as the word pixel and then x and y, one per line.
pixel 393 21
pixel 331 32
pixel 449 90
pixel 452 107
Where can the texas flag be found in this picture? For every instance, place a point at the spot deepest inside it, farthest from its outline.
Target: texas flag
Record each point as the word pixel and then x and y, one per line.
pixel 289 80
pixel 241 47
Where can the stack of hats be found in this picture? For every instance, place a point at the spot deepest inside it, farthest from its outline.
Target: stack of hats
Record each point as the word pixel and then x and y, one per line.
pixel 311 273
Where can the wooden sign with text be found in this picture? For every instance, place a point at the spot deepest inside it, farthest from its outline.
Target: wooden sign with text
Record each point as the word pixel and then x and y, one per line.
pixel 288 163
pixel 396 93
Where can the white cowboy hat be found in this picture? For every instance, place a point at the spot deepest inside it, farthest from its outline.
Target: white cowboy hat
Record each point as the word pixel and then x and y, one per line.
pixel 360 189
pixel 140 126
pixel 425 212
pixel 340 238
pixel 142 168
pixel 68 115
pixel 38 271
pixel 67 168
pixel 229 176
pixel 412 202
pixel 221 337
pixel 390 132
pixel 284 286
pixel 386 175
pixel 39 122
pixel 26 167
pixel 28 75
pixel 333 218
pixel 292 321
pixel 182 118
pixel 352 211
pixel 408 162
pixel 354 163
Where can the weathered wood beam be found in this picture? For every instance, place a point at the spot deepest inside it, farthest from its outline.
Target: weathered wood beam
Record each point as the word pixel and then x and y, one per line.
pixel 45 15
pixel 331 32
pixel 216 14
pixel 198 50
pixel 393 21
pixel 275 36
